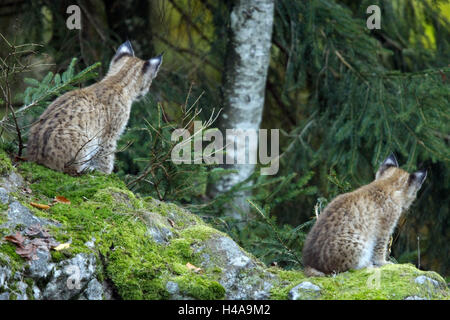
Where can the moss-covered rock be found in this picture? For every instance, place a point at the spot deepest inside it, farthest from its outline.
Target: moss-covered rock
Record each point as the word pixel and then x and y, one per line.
pixel 123 246
pixel 392 282
pixel 5 163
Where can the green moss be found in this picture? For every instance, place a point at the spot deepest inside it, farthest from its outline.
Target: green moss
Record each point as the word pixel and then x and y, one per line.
pixel 149 266
pixel 3 206
pixel 200 232
pixel 102 208
pixel 3 218
pixel 119 198
pixel 180 217
pixel 288 280
pixel 29 289
pixel 9 257
pixel 51 183
pixel 58 256
pixel 5 163
pixel 199 287
pixel 180 248
pixel 390 282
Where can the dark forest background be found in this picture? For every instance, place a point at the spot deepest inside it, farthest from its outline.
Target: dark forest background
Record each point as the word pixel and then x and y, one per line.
pixel 344 97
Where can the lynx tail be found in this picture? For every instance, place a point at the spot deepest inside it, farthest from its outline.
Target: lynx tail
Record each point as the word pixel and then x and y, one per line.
pixel 311 272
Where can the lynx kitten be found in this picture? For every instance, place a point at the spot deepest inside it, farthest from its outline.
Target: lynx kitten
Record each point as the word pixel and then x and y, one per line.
pixel 79 130
pixel 353 231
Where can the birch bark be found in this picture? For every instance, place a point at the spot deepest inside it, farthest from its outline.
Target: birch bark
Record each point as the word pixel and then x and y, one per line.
pixel 246 65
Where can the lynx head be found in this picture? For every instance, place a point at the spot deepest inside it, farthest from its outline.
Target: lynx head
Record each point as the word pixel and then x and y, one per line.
pixel 402 184
pixel 136 73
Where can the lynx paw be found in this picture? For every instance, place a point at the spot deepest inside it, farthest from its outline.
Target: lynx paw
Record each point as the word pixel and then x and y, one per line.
pixel 381 263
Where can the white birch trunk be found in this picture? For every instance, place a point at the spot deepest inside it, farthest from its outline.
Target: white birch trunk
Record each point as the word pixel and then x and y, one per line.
pixel 248 57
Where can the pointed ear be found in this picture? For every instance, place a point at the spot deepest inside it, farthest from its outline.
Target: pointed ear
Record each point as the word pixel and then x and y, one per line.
pixel 125 49
pixel 418 177
pixel 390 161
pixel 152 65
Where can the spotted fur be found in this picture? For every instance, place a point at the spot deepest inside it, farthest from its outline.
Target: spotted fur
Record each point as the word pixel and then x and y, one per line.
pixel 80 129
pixel 353 231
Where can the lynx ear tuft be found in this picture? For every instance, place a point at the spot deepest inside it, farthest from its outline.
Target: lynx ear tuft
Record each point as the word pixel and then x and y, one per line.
pixel 390 161
pixel 152 65
pixel 125 49
pixel 419 176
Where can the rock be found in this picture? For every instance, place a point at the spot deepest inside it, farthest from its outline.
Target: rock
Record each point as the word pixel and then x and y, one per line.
pixel 12 182
pixel 36 293
pixel 70 277
pixel 18 214
pixel 424 280
pixel 91 243
pixel 308 286
pixel 172 287
pixel 4 195
pixel 157 227
pixel 161 235
pixel 264 292
pixel 94 290
pixel 4 296
pixel 22 290
pixel 430 285
pixel 304 291
pixel 40 269
pixel 242 277
pixel 414 298
pixel 5 273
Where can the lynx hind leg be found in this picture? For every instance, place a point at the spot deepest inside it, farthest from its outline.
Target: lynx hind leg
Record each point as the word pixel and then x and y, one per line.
pixel 311 272
pixel 81 156
pixel 104 158
pixel 103 162
pixel 345 254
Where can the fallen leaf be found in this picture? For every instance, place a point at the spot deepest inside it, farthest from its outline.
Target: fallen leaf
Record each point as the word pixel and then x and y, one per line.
pixel 17 239
pixel 28 252
pixel 40 206
pixel 172 223
pixel 34 238
pixel 193 268
pixel 62 246
pixel 61 199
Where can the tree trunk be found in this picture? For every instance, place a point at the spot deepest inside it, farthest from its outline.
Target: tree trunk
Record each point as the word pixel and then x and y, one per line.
pixel 246 65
